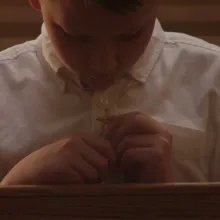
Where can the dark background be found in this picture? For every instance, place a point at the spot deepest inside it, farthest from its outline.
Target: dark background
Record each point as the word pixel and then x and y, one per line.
pixel 18 22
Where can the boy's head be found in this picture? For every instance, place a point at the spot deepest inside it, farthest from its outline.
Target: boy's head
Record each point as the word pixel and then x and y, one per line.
pixel 98 38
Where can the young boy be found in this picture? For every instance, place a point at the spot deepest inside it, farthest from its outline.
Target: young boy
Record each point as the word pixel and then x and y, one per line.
pixel 105 95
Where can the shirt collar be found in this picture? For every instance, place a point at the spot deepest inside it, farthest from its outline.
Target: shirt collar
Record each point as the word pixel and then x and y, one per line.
pixel 147 61
pixel 140 70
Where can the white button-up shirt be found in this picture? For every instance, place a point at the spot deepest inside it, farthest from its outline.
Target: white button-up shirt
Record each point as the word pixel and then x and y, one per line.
pixel 176 81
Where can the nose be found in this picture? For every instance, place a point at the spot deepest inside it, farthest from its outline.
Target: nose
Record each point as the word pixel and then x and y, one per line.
pixel 103 58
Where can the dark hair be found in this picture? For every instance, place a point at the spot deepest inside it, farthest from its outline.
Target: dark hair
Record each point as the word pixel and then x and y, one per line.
pixel 120 6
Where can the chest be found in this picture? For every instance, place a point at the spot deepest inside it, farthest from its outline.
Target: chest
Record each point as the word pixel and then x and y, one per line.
pixel 47 118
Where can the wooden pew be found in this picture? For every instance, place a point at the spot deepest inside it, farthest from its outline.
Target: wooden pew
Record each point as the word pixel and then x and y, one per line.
pixel 111 202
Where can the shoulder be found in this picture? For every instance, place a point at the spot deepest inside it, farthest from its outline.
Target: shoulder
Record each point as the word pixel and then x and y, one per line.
pixel 191 64
pixel 21 73
pixel 184 41
pixel 17 52
pixel 16 69
pixel 21 63
pixel 192 56
pixel 18 59
pixel 193 52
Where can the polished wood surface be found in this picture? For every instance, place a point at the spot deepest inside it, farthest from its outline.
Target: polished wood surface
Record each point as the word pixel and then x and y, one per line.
pixel 128 202
pixel 18 22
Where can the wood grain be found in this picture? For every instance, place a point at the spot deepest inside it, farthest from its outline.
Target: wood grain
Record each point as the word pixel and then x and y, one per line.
pixel 19 22
pixel 176 201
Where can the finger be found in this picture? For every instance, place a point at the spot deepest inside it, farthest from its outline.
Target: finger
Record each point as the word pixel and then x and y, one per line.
pixel 121 117
pixel 135 141
pixel 114 122
pixel 117 118
pixel 47 176
pixel 142 156
pixel 140 124
pixel 98 161
pixel 142 141
pixel 134 123
pixel 150 163
pixel 63 177
pixel 111 133
pixel 84 169
pixel 102 146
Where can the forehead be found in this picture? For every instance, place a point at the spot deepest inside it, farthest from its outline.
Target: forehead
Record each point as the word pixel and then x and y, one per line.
pixel 84 17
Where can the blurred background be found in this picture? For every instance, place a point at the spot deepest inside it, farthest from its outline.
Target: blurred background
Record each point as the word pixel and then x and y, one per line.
pixel 201 18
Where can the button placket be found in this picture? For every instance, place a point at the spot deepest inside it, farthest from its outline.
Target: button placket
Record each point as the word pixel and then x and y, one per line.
pixel 103 105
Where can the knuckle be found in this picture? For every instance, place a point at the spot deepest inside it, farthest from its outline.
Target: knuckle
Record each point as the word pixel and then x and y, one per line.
pixel 168 135
pixel 166 132
pixel 69 147
pixel 138 118
pixel 168 138
pixel 66 146
pixel 60 144
pixel 158 153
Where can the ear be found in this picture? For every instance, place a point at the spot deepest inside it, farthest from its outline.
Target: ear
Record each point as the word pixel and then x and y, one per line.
pixel 35 4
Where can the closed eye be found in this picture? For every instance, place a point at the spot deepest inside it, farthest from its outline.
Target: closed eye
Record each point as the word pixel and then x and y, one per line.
pixel 79 38
pixel 130 37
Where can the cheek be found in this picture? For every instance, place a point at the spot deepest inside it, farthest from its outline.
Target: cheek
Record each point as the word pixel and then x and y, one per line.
pixel 72 54
pixel 131 51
